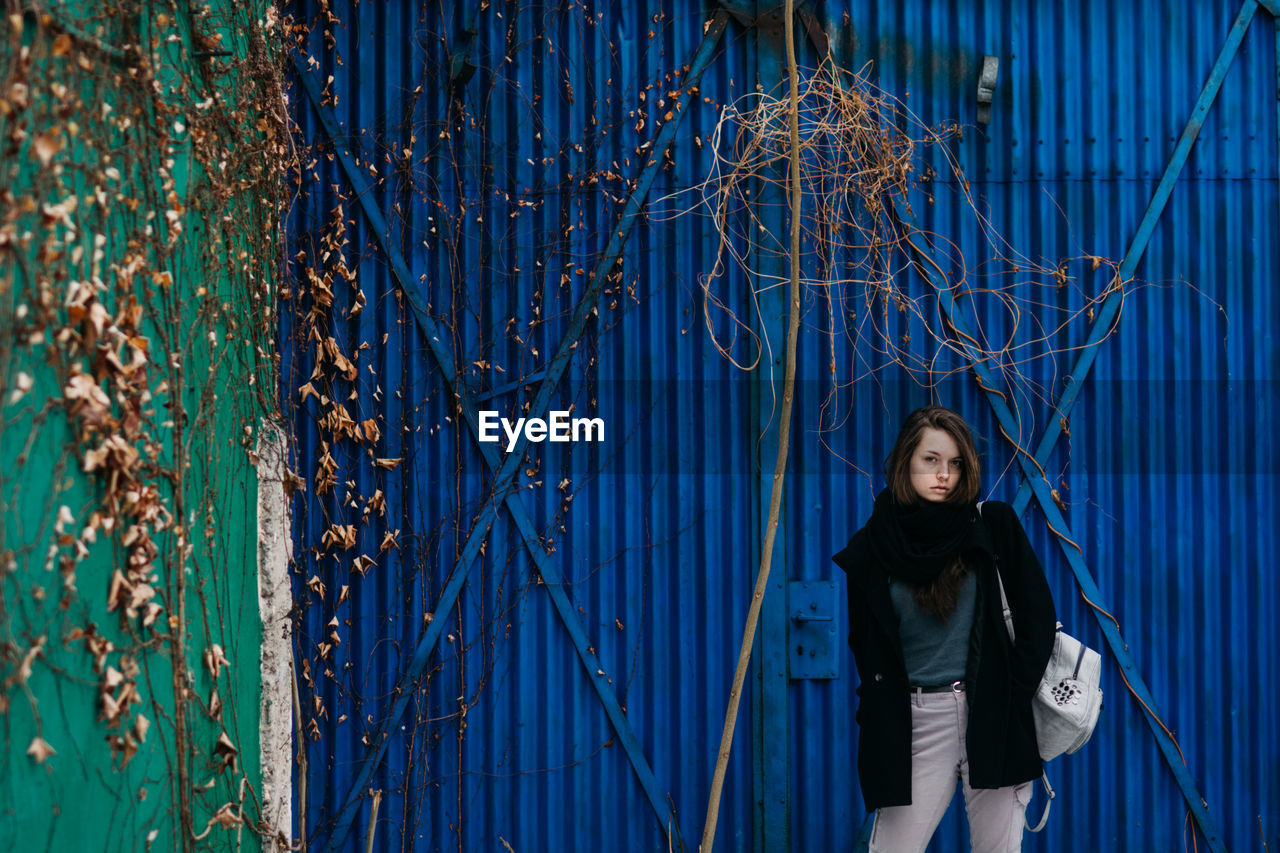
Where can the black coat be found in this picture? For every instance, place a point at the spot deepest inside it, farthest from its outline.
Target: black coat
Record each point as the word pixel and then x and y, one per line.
pixel 1001 676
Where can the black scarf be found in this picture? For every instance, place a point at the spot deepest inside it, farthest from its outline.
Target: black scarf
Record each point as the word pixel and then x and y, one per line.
pixel 914 542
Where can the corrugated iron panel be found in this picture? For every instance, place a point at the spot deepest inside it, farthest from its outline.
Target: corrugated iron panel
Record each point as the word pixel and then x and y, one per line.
pixel 1168 473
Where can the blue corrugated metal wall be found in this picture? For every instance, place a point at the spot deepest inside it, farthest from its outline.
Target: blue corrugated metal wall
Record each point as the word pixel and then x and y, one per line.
pixel 502 207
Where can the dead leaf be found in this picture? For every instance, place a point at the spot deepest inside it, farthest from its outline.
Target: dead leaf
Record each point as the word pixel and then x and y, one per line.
pixel 117 594
pixel 110 708
pixel 95 458
pixel 24 668
pixel 87 399
pixel 124 747
pixel 22 385
pixel 225 817
pixel 225 751
pixel 151 613
pixel 45 146
pixel 343 535
pixel 39 750
pixel 215 660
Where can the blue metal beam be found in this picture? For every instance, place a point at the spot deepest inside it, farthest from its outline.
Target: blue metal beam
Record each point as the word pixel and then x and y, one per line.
pixel 863 842
pixel 1032 476
pixel 771 737
pixel 502 492
pixel 1102 325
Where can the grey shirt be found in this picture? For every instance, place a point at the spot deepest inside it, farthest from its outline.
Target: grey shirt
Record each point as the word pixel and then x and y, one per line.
pixel 935 651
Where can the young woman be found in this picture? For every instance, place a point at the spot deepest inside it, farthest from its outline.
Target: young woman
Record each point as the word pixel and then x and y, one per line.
pixel 944 694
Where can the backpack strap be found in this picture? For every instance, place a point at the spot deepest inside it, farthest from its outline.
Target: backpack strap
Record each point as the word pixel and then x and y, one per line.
pixel 1004 599
pixel 1048 789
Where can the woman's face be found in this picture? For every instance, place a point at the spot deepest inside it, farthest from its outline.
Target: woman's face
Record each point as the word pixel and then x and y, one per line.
pixel 936 467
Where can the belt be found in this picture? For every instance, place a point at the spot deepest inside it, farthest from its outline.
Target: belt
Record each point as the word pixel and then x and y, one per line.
pixel 953 687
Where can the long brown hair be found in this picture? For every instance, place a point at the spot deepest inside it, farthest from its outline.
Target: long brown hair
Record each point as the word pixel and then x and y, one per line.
pixel 897 468
pixel 940 596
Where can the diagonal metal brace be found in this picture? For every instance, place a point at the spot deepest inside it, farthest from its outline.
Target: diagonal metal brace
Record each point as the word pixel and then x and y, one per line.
pixel 1106 316
pixel 502 492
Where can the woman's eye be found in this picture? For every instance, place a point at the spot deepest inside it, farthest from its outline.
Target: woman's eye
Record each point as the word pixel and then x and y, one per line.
pixel 957 464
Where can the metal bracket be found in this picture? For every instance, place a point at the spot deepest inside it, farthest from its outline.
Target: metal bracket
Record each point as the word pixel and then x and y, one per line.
pixel 768 16
pixel 814 647
pixel 987 87
pixel 817 35
pixel 461 66
pixel 748 13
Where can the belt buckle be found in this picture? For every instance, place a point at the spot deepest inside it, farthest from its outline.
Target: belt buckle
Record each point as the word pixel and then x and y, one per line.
pixel 957 687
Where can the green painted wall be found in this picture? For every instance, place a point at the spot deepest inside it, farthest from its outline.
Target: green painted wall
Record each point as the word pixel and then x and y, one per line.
pixel 139 199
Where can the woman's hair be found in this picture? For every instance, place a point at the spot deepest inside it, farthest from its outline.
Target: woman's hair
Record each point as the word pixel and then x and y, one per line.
pixel 940 596
pixel 897 468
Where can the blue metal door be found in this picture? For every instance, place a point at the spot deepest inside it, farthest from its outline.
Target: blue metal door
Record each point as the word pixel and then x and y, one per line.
pixel 422 548
pixel 528 645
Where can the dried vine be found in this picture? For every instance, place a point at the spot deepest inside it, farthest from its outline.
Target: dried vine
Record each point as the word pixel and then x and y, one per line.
pixel 140 189
pixel 867 163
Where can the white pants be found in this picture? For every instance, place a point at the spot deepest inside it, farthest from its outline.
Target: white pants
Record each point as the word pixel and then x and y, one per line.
pixel 938 722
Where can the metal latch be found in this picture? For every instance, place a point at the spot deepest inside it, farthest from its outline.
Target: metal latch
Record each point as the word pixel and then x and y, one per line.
pixel 987 87
pixel 813 642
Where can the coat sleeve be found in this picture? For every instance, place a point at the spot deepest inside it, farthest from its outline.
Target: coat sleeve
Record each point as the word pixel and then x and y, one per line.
pixel 847 560
pixel 1034 617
